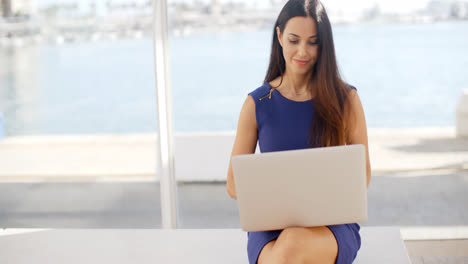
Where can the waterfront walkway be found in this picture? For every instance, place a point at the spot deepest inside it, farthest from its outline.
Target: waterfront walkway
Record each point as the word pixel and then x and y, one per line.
pixel 62 158
pixel 420 184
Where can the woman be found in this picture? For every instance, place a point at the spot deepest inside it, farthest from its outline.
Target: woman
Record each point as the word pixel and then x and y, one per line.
pixel 303 103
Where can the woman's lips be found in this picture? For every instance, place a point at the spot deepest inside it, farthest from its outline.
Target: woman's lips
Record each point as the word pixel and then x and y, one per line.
pixel 300 62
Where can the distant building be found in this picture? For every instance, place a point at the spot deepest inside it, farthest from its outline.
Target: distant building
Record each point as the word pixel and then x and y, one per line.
pixel 438 9
pixel 459 10
pixel 371 13
pixel 215 8
pixel 5 5
pixel 21 7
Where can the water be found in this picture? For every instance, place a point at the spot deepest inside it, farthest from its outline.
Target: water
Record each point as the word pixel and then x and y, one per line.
pixel 407 75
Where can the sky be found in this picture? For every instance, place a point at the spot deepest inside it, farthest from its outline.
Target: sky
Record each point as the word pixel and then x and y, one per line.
pixel 393 6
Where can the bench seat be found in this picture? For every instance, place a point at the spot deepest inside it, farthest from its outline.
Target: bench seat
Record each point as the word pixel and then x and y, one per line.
pixel 381 245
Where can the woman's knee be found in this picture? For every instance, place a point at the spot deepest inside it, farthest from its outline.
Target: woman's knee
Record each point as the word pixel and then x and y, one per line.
pixel 289 245
pixel 306 245
pixel 281 253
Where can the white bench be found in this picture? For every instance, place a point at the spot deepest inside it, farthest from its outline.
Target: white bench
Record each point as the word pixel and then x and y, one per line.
pixel 381 245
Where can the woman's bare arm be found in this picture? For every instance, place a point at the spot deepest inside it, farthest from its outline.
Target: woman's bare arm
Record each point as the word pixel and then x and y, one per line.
pixel 246 139
pixel 356 127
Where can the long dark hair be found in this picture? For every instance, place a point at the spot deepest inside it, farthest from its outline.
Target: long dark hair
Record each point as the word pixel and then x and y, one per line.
pixel 328 128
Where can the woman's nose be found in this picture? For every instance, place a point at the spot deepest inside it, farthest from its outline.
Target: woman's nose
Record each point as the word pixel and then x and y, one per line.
pixel 302 50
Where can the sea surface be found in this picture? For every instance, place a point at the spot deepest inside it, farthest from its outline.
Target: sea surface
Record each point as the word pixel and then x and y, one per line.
pixel 407 75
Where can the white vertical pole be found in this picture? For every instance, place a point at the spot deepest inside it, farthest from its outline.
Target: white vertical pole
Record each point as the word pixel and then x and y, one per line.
pixel 1 126
pixel 461 115
pixel 168 184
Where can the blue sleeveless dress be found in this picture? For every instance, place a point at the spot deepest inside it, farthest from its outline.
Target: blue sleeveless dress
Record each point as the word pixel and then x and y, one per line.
pixel 284 124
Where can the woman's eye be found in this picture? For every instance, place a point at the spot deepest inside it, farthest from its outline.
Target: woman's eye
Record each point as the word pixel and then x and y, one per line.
pixel 313 42
pixel 293 41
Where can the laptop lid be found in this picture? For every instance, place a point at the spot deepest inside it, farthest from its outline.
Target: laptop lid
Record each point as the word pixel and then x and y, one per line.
pixel 308 187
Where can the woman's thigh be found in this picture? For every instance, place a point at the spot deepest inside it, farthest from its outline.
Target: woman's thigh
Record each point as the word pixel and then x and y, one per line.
pixel 301 244
pixel 266 253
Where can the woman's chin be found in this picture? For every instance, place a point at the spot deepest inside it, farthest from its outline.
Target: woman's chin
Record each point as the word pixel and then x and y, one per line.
pixel 301 71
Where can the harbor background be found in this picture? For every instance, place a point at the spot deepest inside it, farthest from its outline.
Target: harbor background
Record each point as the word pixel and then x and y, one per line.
pixel 407 75
pixel 87 67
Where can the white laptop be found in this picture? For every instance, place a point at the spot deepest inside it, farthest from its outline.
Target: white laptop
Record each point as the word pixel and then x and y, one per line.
pixel 309 187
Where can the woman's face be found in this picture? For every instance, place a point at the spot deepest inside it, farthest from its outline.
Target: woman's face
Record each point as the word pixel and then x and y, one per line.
pixel 299 41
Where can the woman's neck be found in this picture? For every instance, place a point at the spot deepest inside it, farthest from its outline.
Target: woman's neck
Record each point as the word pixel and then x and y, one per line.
pixel 296 84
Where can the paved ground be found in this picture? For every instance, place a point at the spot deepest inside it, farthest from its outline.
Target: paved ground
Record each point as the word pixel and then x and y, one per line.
pixel 422 198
